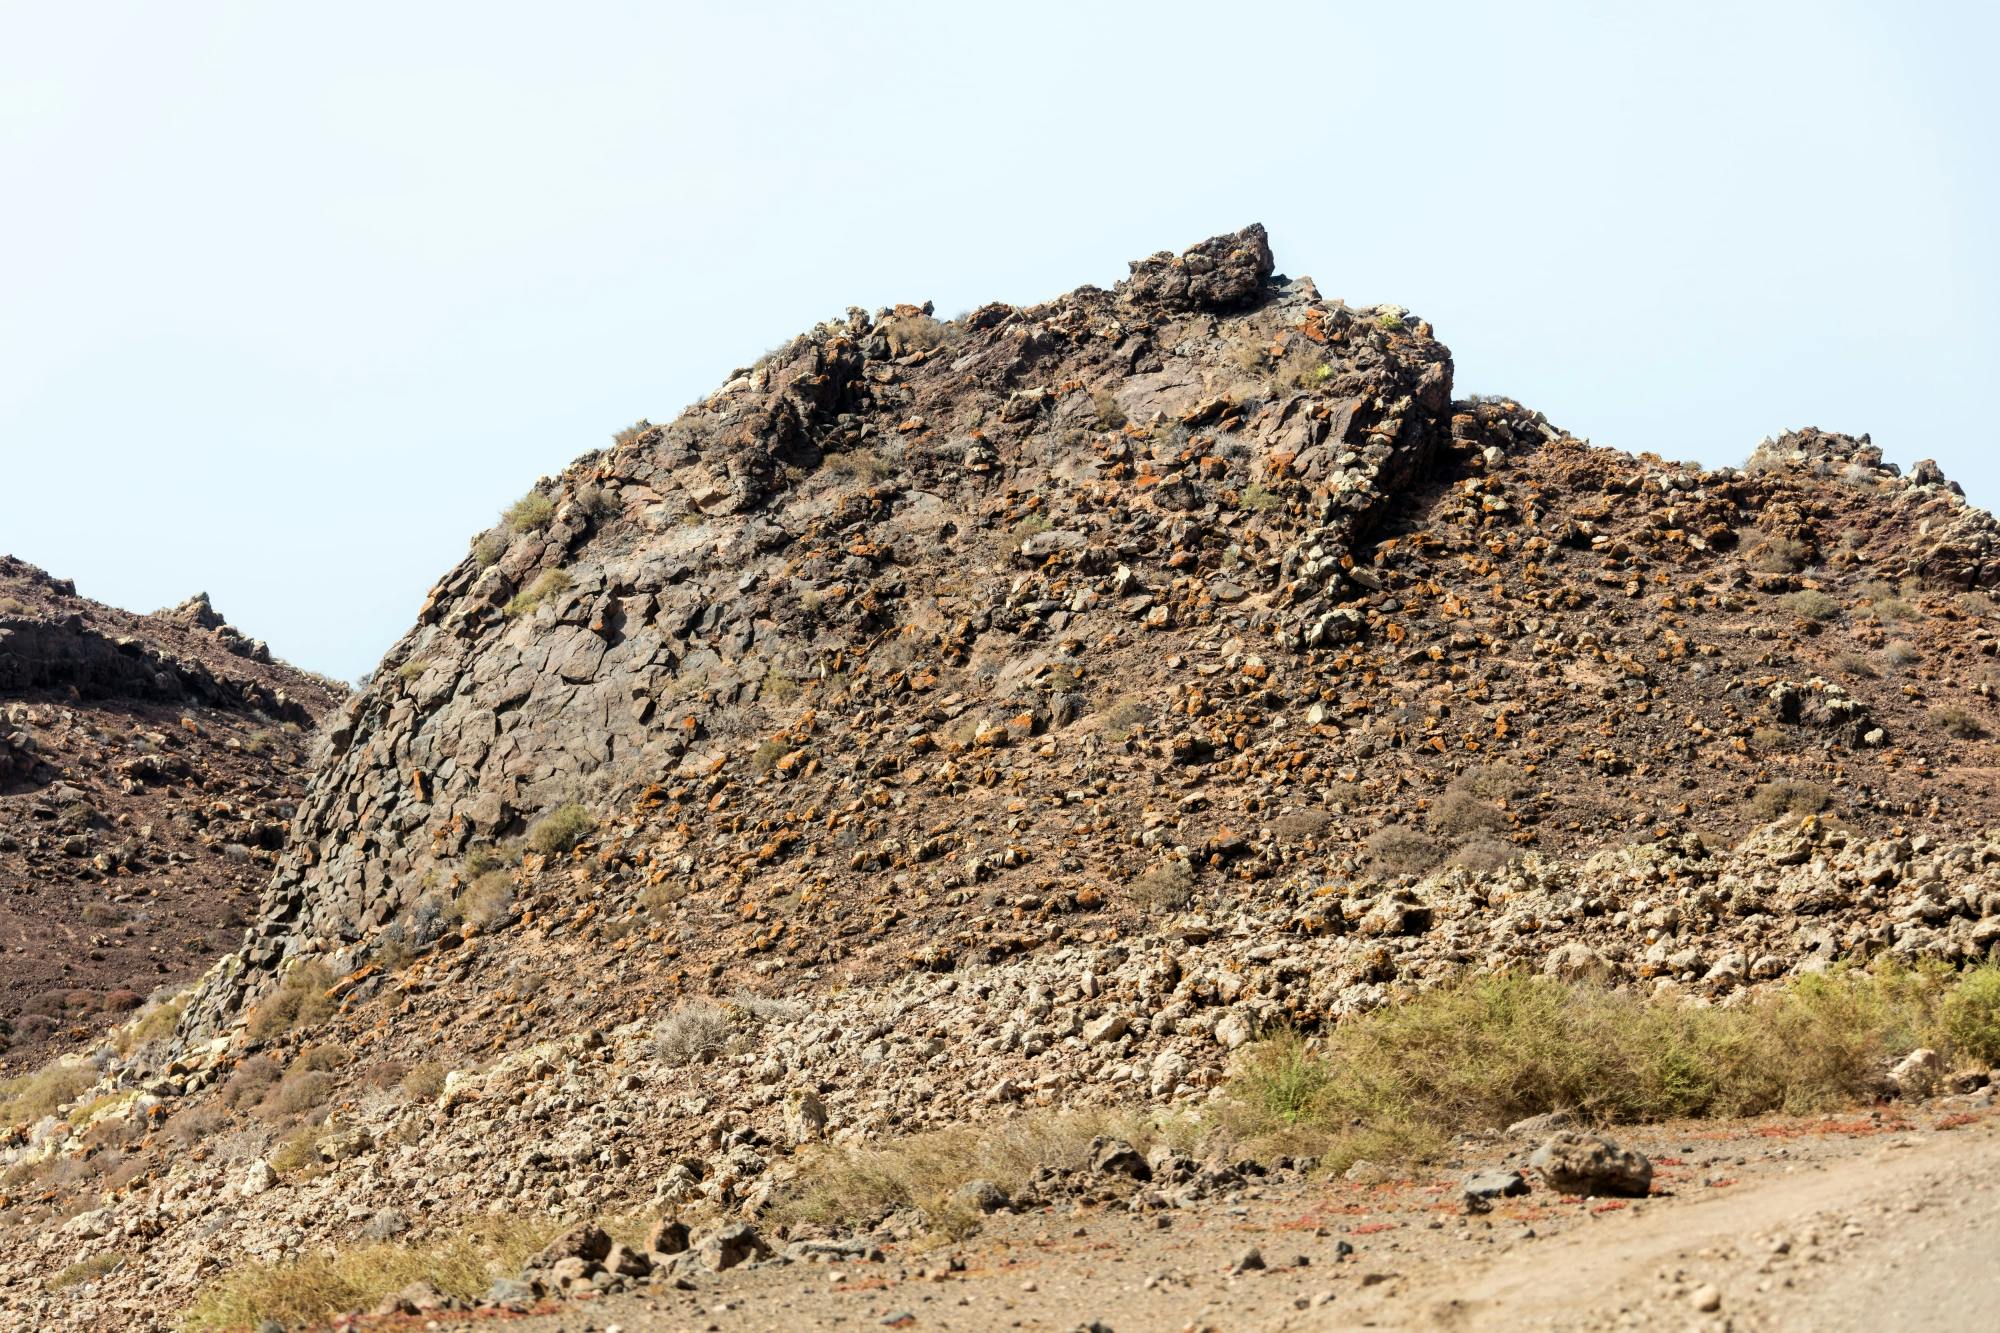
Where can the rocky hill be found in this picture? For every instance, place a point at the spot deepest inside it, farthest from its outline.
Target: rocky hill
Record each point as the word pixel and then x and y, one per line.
pixel 1026 710
pixel 149 768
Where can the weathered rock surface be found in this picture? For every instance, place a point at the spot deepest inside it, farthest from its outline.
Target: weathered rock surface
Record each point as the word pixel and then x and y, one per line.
pixel 1024 713
pixel 1591 1164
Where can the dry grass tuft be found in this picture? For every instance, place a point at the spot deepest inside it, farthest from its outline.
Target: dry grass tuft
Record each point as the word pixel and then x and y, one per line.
pixel 850 1185
pixel 300 998
pixel 560 830
pixel 546 585
pixel 314 1288
pixel 32 1096
pixel 532 511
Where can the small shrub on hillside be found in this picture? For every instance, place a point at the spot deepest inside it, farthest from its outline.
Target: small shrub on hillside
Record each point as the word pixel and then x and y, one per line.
pixel 913 333
pixel 1401 850
pixel 769 753
pixel 1901 653
pixel 695 1031
pixel 561 829
pixel 424 1082
pixel 32 1096
pixel 313 1288
pixel 298 1152
pixel 1886 601
pixel 531 512
pixel 1166 887
pixel 1459 813
pixel 1780 555
pixel 156 1024
pixel 487 548
pixel 490 856
pixel 631 434
pixel 1258 499
pixel 323 1055
pixel 485 901
pixel 1789 796
pixel 1483 855
pixel 778 687
pixel 597 502
pixel 1110 416
pixel 548 584
pixel 1301 825
pixel 86 1270
pixel 250 1083
pixel 857 1185
pixel 1856 665
pixel 1958 723
pixel 300 1090
pixel 1125 715
pixel 300 998
pixel 863 465
pixel 1810 604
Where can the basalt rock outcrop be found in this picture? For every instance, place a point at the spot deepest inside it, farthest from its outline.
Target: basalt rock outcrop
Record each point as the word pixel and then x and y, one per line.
pixel 883 496
pixel 1028 710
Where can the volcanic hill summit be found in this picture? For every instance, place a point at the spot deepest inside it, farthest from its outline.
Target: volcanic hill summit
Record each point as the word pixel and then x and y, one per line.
pixel 946 720
pixel 916 635
pixel 148 768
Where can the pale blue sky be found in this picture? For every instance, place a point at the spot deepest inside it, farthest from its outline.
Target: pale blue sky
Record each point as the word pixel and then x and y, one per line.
pixel 296 297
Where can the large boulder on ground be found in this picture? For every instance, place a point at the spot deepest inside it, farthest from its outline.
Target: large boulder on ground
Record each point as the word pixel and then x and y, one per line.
pixel 1591 1164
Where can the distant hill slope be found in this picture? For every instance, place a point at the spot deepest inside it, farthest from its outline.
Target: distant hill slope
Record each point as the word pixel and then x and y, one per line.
pixel 149 766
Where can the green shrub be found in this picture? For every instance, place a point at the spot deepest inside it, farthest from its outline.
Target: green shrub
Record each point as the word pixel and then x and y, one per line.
pixel 1485 1051
pixel 31 1096
pixel 1971 1015
pixel 548 584
pixel 487 548
pixel 1810 604
pixel 300 998
pixel 486 900
pixel 86 1270
pixel 488 857
pixel 769 753
pixel 561 829
pixel 531 512
pixel 631 434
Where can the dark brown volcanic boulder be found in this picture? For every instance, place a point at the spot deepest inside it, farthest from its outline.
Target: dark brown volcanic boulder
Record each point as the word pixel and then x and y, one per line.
pixel 149 768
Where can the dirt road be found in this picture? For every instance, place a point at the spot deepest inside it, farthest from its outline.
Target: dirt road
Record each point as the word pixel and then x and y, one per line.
pixel 1865 1224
